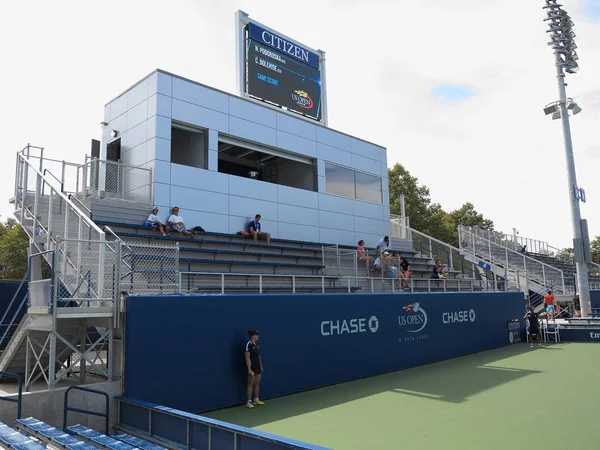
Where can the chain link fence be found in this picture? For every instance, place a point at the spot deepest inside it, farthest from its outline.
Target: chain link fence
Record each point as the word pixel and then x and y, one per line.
pixel 112 179
pixel 149 269
pixel 340 261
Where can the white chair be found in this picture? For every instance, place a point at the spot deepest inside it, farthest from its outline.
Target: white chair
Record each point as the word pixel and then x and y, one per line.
pixel 551 332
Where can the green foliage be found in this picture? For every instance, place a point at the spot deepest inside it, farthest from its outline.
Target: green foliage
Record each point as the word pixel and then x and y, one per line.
pixel 595 245
pixel 428 217
pixel 13 250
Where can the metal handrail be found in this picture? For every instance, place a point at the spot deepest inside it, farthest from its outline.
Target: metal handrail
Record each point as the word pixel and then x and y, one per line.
pixel 71 196
pixel 484 256
pixel 62 185
pixel 345 281
pixel 68 408
pixel 19 399
pixel 86 219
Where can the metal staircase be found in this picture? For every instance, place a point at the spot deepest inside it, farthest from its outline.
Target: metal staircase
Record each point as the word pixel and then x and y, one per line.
pixel 79 298
pixel 482 248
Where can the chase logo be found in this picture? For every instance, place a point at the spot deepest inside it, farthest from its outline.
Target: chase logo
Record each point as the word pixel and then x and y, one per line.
pixel 373 324
pixel 414 318
pixel 362 325
pixel 302 99
pixel 459 316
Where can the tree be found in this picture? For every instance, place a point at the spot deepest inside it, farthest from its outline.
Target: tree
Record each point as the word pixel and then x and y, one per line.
pixel 14 243
pixel 427 217
pixel 595 247
pixel 467 215
pixel 417 199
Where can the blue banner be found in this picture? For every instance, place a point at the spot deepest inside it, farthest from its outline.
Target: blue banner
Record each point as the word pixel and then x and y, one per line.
pixel 306 341
pixel 580 335
pixel 282 45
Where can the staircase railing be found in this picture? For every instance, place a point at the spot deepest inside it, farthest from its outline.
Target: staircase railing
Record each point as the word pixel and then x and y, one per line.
pixel 542 274
pixel 50 217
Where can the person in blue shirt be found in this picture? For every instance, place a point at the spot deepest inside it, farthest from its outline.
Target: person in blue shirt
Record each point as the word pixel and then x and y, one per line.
pixel 255 230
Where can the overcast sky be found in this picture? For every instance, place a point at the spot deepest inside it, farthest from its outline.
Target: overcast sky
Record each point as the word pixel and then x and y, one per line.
pixel 453 89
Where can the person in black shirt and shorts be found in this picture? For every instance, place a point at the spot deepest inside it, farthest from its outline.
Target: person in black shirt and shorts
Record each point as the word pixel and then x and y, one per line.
pixel 255 369
pixel 534 327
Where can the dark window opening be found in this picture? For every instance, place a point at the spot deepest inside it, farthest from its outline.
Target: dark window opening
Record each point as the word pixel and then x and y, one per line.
pixel 259 164
pixel 189 146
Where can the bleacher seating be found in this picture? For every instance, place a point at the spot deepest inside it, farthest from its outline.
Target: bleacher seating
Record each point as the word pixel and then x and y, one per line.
pixel 12 439
pixel 33 434
pixel 212 254
pixel 569 270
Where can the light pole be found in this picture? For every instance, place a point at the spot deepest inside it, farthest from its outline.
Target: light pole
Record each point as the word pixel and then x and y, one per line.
pixel 560 29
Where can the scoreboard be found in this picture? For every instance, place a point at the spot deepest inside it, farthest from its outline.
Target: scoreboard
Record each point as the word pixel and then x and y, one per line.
pixel 279 71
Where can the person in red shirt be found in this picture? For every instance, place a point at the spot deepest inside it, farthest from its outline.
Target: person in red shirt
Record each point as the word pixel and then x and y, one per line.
pixel 362 256
pixel 549 304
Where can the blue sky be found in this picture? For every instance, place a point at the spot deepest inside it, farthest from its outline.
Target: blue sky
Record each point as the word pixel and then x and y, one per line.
pixel 451 93
pixel 591 9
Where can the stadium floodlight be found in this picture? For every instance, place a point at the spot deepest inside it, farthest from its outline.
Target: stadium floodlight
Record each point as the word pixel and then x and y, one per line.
pixel 562 43
pixel 551 108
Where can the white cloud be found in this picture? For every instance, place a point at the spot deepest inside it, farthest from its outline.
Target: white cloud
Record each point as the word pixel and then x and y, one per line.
pixel 66 59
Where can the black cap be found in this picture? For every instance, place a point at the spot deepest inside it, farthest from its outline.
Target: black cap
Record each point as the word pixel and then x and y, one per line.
pixel 253 333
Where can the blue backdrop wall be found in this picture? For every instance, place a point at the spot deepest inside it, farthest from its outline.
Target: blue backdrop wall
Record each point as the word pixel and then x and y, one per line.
pixel 595 297
pixel 8 311
pixel 187 352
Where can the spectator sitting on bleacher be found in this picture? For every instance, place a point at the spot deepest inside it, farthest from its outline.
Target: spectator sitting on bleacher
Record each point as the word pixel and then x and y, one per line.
pixel 156 222
pixel 176 223
pixel 405 271
pixel 360 253
pixel 383 244
pixel 387 264
pixel 436 274
pixel 441 269
pixel 255 229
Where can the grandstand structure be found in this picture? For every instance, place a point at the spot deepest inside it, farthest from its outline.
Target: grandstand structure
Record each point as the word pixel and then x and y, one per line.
pixel 538 267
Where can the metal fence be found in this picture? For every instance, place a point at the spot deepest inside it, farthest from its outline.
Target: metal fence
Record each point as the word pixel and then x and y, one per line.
pixel 149 269
pixel 87 272
pixel 533 270
pixel 340 261
pixel 111 179
pixel 231 283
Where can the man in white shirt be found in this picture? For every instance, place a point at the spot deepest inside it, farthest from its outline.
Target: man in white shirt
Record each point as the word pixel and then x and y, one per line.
pixel 156 222
pixel 383 244
pixel 176 223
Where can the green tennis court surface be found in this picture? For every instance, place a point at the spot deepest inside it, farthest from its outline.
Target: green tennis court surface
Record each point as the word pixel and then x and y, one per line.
pixel 510 398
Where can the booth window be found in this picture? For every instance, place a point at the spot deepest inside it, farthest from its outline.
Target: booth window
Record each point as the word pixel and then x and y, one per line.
pixel 189 146
pixel 352 184
pixel 249 160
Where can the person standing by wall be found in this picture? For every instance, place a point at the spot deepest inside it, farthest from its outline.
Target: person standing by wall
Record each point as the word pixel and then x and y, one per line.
pixel 255 369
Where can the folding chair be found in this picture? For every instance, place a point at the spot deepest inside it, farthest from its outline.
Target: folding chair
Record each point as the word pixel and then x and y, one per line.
pixel 550 331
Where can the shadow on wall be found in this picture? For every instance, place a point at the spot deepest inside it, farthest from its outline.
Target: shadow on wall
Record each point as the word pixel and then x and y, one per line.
pixel 462 378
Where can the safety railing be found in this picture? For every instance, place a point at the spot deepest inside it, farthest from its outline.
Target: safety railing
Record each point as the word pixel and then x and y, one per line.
pixel 513 241
pixel 400 227
pixel 19 399
pixel 111 179
pixel 48 216
pixel 535 271
pixel 448 255
pixel 227 283
pixel 179 429
pixel 68 408
pixel 340 261
pixel 150 269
